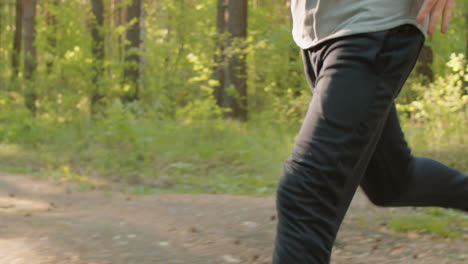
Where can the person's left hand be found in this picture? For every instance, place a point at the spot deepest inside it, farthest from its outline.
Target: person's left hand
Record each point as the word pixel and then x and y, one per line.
pixel 436 8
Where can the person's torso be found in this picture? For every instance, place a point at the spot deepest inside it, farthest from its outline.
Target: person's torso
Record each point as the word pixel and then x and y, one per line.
pixel 315 21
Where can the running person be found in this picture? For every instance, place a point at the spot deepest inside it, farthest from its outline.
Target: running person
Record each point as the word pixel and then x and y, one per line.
pixel 357 56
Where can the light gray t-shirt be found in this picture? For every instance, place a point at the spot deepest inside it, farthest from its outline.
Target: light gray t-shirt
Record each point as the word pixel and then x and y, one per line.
pixel 315 21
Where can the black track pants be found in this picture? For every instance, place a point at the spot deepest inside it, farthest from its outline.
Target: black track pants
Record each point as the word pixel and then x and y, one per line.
pixel 351 136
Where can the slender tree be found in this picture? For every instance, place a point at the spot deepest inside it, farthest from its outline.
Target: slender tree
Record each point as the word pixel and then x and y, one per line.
pixel 466 42
pixel 2 7
pixel 30 60
pixel 220 57
pixel 18 38
pixel 236 74
pixel 51 20
pixel 98 53
pixel 424 67
pixel 120 18
pixel 293 54
pixel 132 51
pixel 1 20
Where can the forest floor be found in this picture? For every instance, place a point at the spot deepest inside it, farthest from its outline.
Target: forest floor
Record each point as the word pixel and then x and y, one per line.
pixel 46 222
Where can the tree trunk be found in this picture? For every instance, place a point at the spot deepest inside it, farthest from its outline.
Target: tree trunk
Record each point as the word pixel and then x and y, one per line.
pixel 293 56
pixel 220 57
pixel 30 60
pixel 18 38
pixel 3 6
pixel 132 52
pixel 51 21
pixel 1 23
pixel 424 67
pixel 236 75
pixel 120 19
pixel 142 48
pixel 98 54
pixel 466 44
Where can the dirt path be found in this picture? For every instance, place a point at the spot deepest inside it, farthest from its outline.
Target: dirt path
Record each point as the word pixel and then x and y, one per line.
pixel 44 223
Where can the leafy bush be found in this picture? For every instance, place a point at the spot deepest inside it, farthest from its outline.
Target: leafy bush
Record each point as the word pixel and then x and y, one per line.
pixel 441 106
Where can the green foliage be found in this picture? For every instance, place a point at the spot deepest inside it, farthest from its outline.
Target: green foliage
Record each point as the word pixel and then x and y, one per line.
pixel 441 106
pixel 178 55
pixel 454 41
pixel 198 152
pixel 209 155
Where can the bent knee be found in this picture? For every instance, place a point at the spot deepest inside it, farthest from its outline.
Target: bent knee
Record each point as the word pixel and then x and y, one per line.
pixel 301 184
pixel 382 198
pixel 379 200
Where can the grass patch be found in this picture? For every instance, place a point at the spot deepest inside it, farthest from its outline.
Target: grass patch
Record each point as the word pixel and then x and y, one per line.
pixel 445 223
pixel 153 156
pixel 211 156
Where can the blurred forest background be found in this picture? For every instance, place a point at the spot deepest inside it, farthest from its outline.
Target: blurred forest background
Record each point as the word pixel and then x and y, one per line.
pixel 186 95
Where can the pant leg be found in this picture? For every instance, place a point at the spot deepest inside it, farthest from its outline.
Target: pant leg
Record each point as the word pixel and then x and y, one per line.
pixel 395 177
pixel 355 81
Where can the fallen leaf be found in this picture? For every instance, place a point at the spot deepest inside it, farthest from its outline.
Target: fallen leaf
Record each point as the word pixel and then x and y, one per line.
pixel 250 224
pixel 396 251
pixel 412 234
pixel 7 206
pixel 230 259
pixel 164 244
